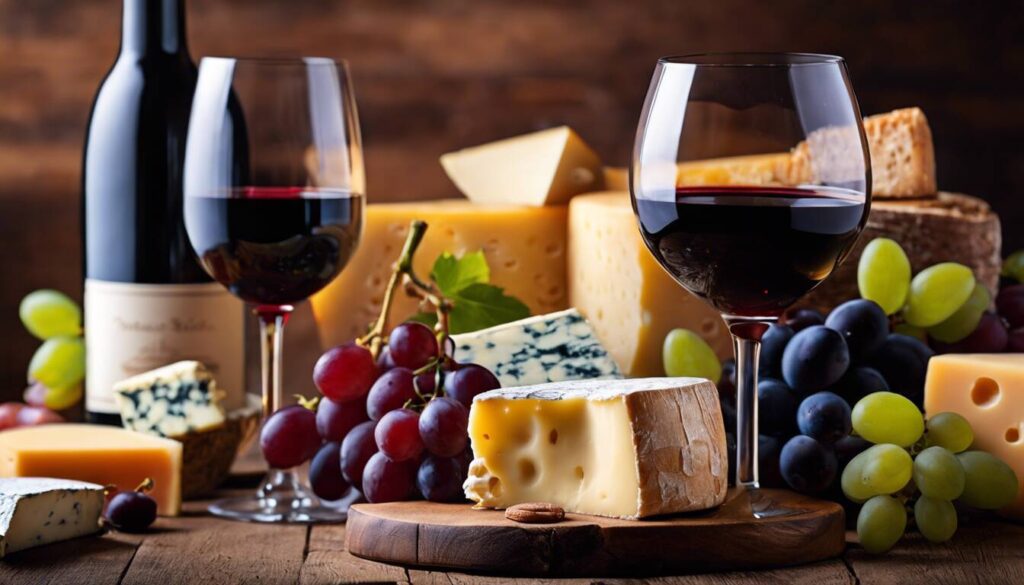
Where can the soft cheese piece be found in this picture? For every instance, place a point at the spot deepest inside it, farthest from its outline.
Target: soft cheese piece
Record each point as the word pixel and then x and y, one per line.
pixel 524 246
pixel 170 401
pixel 547 348
pixel 618 448
pixel 624 293
pixel 38 510
pixel 987 390
pixel 541 168
pixel 98 454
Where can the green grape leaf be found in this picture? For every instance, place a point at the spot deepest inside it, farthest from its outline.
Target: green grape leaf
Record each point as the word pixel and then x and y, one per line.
pixel 453 275
pixel 479 306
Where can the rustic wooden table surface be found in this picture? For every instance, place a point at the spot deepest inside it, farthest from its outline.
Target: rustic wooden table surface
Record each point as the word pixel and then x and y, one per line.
pixel 199 549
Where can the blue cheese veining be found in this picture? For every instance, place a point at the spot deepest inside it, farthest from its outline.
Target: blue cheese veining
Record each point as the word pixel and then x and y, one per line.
pixel 37 510
pixel 170 401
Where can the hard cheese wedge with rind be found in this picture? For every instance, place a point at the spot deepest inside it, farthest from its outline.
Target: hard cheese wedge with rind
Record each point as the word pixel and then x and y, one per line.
pixel 39 510
pixel 618 448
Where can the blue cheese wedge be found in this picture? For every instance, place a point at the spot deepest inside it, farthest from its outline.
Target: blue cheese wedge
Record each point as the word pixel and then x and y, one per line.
pixel 37 510
pixel 548 348
pixel 171 401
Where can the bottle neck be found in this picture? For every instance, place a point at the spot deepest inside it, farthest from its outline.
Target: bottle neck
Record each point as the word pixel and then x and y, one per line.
pixel 153 27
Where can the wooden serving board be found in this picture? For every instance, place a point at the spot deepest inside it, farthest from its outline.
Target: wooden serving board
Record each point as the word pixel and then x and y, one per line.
pixel 753 529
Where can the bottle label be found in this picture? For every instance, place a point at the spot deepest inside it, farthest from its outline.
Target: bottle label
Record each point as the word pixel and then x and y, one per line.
pixel 133 328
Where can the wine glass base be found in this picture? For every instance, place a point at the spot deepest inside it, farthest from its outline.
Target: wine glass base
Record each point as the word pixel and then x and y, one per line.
pixel 280 499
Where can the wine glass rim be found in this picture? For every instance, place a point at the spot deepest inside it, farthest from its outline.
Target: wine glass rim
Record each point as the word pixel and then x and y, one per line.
pixel 310 61
pixel 751 59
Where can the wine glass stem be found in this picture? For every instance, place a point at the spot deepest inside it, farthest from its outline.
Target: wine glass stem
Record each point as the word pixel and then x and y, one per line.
pixel 272 321
pixel 748 352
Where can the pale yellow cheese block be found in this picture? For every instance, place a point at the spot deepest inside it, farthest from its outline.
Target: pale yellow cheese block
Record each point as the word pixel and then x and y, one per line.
pixel 755 169
pixel 541 168
pixel 629 299
pixel 96 454
pixel 987 390
pixel 525 248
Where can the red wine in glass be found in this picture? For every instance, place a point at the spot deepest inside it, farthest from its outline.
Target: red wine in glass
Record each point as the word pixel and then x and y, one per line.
pixel 275 245
pixel 751 251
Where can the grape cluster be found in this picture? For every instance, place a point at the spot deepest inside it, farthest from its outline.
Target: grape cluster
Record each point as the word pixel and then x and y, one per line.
pixel 394 427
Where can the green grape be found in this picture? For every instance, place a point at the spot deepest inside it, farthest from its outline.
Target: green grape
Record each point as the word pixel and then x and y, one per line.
pixel 965 320
pixel 879 470
pixel 61 398
pixel 687 354
pixel 936 519
pixel 949 430
pixel 883 274
pixel 937 292
pixel 49 313
pixel 911 331
pixel 1013 266
pixel 880 524
pixel 887 417
pixel 938 474
pixel 58 363
pixel 991 484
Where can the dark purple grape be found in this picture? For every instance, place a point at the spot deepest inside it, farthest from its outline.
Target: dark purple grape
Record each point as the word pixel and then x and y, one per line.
pixel 807 466
pixel 824 416
pixel 440 479
pixel 864 325
pixel 398 435
pixel 345 372
pixel 768 473
pixel 800 319
pixel 990 336
pixel 426 382
pixel 131 511
pixel 385 480
pixel 773 343
pixel 335 419
pixel 390 392
pixel 776 408
pixel 325 473
pixel 384 361
pixel 858 382
pixel 727 383
pixel 903 362
pixel 443 426
pixel 728 415
pixel 412 345
pixel 357 448
pixel 815 359
pixel 289 437
pixel 730 450
pixel 849 447
pixel 1015 343
pixel 469 381
pixel 1010 304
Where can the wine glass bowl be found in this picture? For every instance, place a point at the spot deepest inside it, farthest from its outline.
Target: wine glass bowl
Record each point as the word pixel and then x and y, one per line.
pixel 750 181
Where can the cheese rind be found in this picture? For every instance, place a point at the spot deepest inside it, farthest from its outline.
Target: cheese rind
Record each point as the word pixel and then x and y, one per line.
pixel 171 401
pixel 37 510
pixel 619 448
pixel 536 350
pixel 96 454
pixel 987 390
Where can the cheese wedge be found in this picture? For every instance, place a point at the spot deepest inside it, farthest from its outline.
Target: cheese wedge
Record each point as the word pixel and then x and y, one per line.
pixel 619 448
pixel 38 510
pixel 171 401
pixel 541 168
pixel 97 454
pixel 987 390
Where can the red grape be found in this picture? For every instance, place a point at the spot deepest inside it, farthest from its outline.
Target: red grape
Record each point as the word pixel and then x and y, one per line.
pixel 384 361
pixel 35 395
pixel 37 415
pixel 289 437
pixel 385 480
pixel 390 392
pixel 398 435
pixel 1010 304
pixel 9 414
pixel 325 473
pixel 427 382
pixel 357 448
pixel 440 479
pixel 335 419
pixel 412 345
pixel 131 511
pixel 345 372
pixel 468 381
pixel 989 337
pixel 1016 344
pixel 443 426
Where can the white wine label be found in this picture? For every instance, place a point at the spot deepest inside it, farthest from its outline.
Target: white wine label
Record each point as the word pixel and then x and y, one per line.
pixel 132 328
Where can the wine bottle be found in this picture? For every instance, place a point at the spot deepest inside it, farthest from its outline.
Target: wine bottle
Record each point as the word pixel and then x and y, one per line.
pixel 147 301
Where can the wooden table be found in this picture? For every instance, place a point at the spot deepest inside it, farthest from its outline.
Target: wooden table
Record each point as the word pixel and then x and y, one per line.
pixel 199 549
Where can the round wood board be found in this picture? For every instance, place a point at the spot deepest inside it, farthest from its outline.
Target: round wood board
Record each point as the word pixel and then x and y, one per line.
pixel 752 529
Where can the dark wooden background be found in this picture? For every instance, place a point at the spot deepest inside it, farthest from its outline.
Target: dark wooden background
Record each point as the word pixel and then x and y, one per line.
pixel 434 75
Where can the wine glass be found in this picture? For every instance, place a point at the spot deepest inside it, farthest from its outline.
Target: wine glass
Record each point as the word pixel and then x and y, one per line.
pixel 274 191
pixel 751 235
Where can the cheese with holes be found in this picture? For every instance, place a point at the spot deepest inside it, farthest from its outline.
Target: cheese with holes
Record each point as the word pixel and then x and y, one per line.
pixel 547 348
pixel 171 401
pixel 618 448
pixel 525 249
pixel 97 454
pixel 38 510
pixel 987 390
pixel 541 168
pixel 629 299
